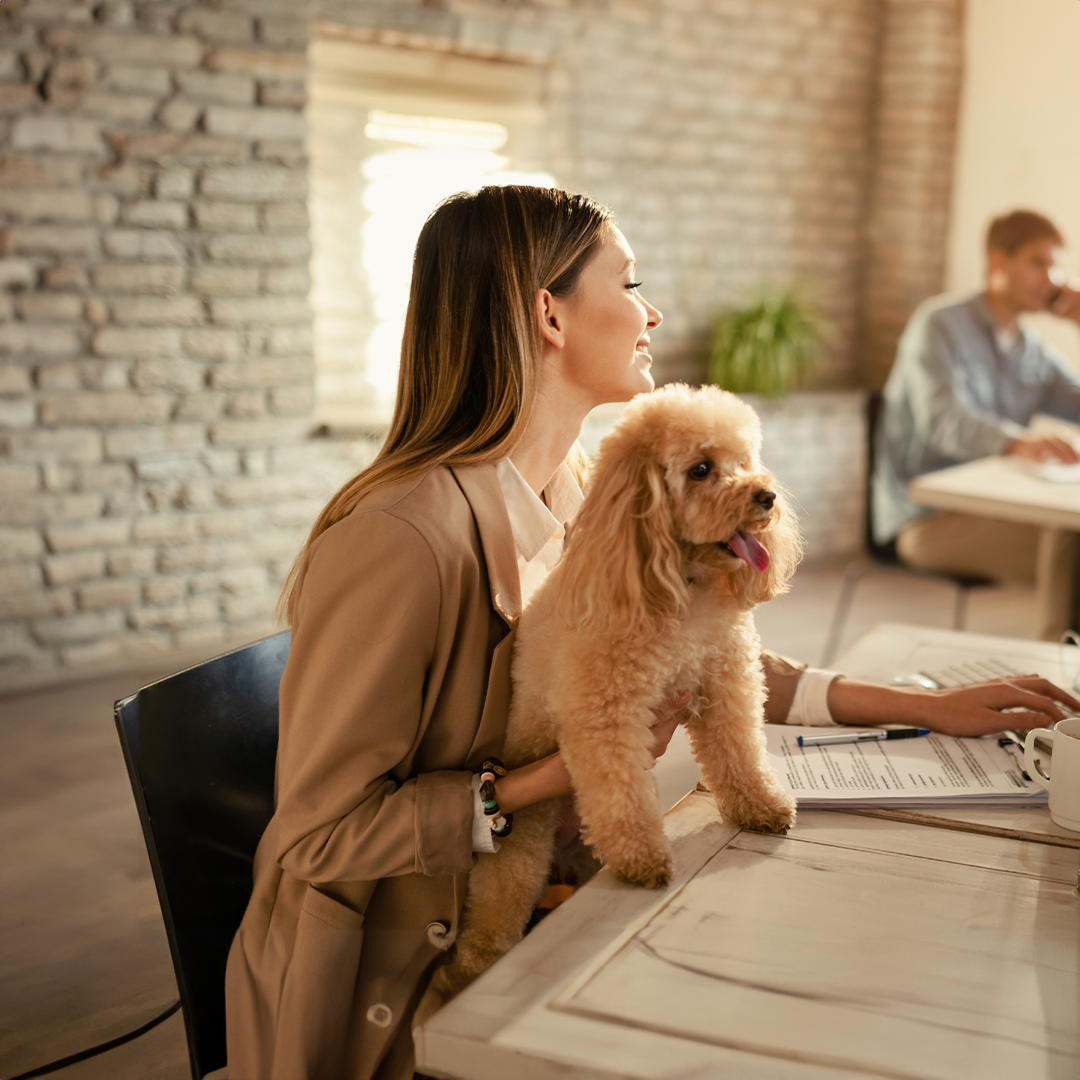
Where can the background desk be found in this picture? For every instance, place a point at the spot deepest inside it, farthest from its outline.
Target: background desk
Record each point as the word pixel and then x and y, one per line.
pixel 856 946
pixel 997 487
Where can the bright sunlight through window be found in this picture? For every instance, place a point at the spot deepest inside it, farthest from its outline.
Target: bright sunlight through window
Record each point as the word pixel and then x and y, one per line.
pixel 392 131
pixel 426 158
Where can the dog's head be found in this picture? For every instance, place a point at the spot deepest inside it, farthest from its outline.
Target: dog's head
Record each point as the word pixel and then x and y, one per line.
pixel 678 490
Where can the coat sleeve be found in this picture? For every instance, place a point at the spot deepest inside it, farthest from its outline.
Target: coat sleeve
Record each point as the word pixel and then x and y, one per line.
pixel 352 706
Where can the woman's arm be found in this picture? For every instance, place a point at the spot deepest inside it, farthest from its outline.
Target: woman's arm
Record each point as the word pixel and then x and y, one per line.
pixel 352 703
pixel 549 777
pixel 968 710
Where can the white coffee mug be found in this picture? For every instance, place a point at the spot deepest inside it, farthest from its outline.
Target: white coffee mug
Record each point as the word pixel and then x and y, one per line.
pixel 1064 788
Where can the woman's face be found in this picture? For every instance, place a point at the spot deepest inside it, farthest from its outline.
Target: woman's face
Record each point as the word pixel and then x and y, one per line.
pixel 606 327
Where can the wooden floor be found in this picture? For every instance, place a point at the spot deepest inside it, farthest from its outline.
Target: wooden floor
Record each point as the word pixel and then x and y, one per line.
pixel 83 956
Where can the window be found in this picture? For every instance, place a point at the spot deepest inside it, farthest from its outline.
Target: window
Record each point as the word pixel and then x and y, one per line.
pixel 392 132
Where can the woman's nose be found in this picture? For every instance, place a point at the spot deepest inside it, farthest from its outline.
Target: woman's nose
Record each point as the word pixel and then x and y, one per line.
pixel 656 316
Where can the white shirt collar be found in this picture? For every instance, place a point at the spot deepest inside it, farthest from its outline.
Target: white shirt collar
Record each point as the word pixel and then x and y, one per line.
pixel 1007 340
pixel 531 521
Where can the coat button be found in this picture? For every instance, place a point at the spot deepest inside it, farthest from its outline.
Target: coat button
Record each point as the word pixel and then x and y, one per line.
pixel 380 1015
pixel 438 933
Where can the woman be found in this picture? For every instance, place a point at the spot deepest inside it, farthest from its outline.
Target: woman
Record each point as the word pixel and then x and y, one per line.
pixel 523 316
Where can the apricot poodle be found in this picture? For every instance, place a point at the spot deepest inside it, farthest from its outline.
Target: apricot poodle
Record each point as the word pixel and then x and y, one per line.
pixel 681 534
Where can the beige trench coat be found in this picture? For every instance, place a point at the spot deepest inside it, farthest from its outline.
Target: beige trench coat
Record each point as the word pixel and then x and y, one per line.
pixel 396 687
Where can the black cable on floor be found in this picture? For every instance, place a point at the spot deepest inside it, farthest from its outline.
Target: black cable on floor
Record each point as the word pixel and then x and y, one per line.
pixel 82 1055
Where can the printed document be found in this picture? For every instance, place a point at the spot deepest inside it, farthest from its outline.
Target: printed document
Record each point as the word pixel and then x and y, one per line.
pixel 933 770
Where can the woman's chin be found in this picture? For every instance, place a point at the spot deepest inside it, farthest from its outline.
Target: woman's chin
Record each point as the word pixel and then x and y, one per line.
pixel 641 374
pixel 641 382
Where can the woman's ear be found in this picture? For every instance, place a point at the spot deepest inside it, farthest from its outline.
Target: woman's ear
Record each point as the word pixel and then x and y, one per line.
pixel 550 316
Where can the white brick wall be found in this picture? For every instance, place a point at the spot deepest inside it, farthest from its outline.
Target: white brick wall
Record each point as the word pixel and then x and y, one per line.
pixel 156 458
pixel 816 445
pixel 911 180
pixel 154 329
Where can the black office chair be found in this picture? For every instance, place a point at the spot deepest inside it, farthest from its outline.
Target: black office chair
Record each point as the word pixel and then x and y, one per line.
pixel 886 553
pixel 200 749
pixel 883 553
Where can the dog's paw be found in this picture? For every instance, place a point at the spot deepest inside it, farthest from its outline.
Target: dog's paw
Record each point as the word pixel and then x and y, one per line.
pixel 652 869
pixel 775 815
pixel 775 826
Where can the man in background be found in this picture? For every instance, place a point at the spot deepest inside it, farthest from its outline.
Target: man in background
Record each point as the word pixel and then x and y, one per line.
pixel 965 384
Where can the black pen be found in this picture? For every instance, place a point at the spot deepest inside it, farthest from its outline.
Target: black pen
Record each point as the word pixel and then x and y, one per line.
pixel 880 735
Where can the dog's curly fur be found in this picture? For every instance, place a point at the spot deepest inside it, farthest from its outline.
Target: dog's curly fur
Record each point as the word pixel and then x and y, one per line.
pixel 647 600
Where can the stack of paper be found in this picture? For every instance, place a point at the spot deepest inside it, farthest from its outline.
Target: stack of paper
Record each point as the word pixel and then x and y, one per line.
pixel 930 771
pixel 1057 472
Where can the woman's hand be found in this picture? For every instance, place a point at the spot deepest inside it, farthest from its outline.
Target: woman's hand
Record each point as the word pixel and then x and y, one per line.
pixel 966 710
pixel 978 710
pixel 667 720
pixel 549 777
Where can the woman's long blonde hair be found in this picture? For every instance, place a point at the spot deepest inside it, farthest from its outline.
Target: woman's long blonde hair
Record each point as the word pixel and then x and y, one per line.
pixel 470 354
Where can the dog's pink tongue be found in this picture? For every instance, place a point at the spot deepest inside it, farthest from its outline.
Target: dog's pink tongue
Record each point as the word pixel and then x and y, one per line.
pixel 749 550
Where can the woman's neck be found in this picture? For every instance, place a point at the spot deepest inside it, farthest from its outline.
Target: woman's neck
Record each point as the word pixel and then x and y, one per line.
pixel 553 427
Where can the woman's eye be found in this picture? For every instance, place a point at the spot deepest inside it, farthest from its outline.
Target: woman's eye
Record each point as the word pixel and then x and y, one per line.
pixel 700 470
pixel 634 285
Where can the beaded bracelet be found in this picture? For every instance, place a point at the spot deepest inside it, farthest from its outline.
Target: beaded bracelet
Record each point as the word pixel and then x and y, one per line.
pixel 501 824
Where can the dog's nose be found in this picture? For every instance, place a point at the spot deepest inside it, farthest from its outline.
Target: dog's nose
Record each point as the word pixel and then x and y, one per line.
pixel 765 498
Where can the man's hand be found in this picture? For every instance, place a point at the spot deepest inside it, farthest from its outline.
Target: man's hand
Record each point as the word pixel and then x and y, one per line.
pixel 1043 448
pixel 1066 305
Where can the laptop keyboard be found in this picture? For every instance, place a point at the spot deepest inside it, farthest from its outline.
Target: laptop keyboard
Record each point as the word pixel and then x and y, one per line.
pixel 972 671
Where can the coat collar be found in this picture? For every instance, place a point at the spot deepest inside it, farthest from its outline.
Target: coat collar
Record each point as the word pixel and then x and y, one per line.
pixel 480 485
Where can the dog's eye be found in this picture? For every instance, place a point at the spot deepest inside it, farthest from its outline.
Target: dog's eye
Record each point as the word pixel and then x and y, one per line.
pixel 700 470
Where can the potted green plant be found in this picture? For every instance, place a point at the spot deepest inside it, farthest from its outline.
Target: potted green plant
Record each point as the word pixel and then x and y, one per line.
pixel 767 347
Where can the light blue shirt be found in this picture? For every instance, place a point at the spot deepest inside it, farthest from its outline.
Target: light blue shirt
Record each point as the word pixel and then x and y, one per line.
pixel 954 396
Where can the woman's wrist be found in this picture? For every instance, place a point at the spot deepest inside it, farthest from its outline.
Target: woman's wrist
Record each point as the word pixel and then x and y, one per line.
pixel 860 703
pixel 545 779
pixel 810 705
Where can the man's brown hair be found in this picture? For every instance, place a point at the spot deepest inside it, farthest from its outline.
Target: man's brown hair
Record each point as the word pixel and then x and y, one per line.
pixel 1010 232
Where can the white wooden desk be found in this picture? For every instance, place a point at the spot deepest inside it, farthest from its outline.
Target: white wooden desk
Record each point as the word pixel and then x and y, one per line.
pixel 857 946
pixel 999 487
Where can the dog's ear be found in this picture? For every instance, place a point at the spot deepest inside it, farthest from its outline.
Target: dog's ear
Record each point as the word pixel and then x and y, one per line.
pixel 784 543
pixel 623 567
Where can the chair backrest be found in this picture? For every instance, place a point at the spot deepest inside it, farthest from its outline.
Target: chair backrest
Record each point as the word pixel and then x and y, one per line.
pixel 200 748
pixel 875 405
